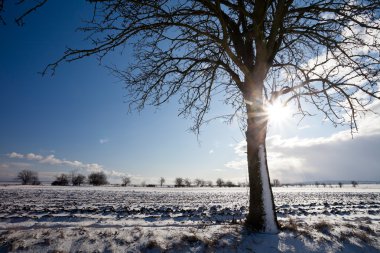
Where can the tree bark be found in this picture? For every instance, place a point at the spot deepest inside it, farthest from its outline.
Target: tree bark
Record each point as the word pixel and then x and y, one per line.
pixel 261 215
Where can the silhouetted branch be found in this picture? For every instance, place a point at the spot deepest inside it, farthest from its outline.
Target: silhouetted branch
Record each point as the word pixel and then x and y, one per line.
pixel 325 53
pixel 20 20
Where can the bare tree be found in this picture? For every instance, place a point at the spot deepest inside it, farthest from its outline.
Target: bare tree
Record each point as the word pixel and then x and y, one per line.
pixel 179 182
pixel 35 180
pixel 62 180
pixel 199 182
pixel 276 183
pixel 219 182
pixel 97 178
pixel 229 184
pixel 77 179
pixel 258 52
pixel 162 181
pixel 28 177
pixel 340 184
pixel 187 182
pixel 354 183
pixel 24 176
pixel 125 181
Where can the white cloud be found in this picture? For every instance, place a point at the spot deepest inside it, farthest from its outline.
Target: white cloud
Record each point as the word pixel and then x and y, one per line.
pixel 52 160
pixel 15 155
pixel 304 127
pixel 370 124
pixel 241 148
pixel 237 165
pixel 331 159
pixel 32 156
pixel 118 174
pixel 75 164
pixel 105 140
pixel 211 151
pixel 339 156
pixel 7 173
pixel 94 167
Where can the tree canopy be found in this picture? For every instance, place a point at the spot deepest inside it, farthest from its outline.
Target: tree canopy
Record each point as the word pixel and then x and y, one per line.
pixel 325 53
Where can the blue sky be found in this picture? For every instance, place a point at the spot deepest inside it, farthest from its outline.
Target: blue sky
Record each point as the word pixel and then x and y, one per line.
pixel 77 120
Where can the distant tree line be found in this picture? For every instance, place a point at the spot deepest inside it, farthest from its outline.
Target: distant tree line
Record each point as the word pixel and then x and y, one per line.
pixel 65 179
pixel 185 182
pixel 29 177
pixel 222 183
pixel 100 178
pixel 95 178
pixel 324 184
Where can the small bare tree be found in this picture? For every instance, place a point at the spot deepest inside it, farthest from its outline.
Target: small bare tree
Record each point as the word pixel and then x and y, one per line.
pixel 125 181
pixel 340 184
pixel 162 181
pixel 28 177
pixel 276 183
pixel 229 184
pixel 179 182
pixel 354 183
pixel 24 176
pixel 199 182
pixel 219 182
pixel 77 179
pixel 35 179
pixel 62 180
pixel 187 182
pixel 97 178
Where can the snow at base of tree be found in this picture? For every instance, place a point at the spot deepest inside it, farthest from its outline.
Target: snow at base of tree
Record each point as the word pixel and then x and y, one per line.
pixel 269 219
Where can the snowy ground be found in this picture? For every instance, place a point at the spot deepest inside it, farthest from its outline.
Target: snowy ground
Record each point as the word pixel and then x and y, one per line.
pixel 116 219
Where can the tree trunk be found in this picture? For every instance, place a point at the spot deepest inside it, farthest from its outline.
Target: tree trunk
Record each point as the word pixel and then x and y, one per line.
pixel 261 215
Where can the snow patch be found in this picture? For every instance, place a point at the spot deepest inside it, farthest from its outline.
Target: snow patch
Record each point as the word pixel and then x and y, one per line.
pixel 269 219
pixel 175 220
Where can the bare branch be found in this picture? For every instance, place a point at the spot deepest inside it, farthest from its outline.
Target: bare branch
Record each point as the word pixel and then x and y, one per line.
pixel 321 52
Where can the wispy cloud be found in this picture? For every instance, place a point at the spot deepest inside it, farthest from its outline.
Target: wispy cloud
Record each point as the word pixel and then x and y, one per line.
pixel 15 155
pixel 32 156
pixel 105 140
pixel 4 166
pixel 303 127
pixel 53 160
pixel 19 165
pixel 237 164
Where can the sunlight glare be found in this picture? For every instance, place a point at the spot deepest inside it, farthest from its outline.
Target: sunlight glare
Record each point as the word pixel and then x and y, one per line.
pixel 277 112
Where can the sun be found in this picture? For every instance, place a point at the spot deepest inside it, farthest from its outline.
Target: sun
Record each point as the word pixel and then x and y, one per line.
pixel 277 112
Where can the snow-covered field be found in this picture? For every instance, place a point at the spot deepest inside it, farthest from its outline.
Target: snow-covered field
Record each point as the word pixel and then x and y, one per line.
pixel 116 219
